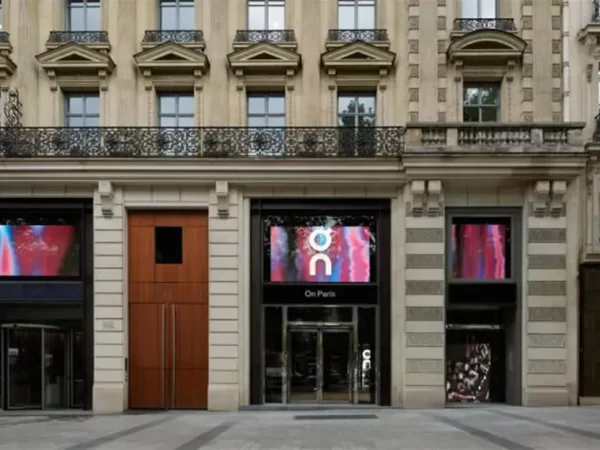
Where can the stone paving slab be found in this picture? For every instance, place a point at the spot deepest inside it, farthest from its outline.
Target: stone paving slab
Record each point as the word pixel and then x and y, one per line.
pixel 475 428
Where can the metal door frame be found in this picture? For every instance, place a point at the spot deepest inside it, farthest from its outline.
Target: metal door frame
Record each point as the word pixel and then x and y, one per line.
pixel 320 329
pixel 4 329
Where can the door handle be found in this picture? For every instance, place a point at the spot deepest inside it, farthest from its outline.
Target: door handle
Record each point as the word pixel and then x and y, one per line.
pixel 162 352
pixel 174 353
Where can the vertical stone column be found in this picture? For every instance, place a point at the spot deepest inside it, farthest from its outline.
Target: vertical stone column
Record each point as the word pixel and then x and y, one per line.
pixel 545 310
pixel 224 264
pixel 425 285
pixel 110 326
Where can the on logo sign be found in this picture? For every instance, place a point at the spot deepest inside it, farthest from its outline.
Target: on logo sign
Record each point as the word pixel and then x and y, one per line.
pixel 320 246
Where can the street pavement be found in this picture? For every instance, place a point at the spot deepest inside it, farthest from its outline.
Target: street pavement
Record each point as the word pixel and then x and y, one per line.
pixel 467 428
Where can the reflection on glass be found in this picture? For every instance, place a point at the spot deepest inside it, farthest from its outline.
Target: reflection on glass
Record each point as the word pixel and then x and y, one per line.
pixel 24 362
pixel 303 368
pixel 356 14
pixel 481 103
pixel 356 110
pixel 78 370
pixel 319 314
pixel 273 354
pixel 367 352
pixel 55 370
pixel 337 370
pixel 266 14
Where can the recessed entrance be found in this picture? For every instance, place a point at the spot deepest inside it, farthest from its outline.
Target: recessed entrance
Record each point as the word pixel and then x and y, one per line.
pixel 321 364
pixel 42 367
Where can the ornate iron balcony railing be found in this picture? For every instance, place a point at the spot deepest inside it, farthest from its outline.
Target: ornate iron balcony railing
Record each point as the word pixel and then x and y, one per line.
pixel 210 142
pixel 79 37
pixel 596 11
pixel 4 37
pixel 272 36
pixel 474 24
pixel 177 36
pixel 357 35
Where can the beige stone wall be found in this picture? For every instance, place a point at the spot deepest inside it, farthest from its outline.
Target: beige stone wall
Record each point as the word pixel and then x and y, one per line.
pixel 422 87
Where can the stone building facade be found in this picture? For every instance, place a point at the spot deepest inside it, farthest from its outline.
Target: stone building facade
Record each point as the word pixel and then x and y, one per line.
pixel 446 113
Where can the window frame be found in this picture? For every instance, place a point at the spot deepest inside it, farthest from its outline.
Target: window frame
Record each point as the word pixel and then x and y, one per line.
pixel 357 6
pixel 177 5
pixel 267 115
pixel 480 105
pixel 266 5
pixel 479 8
pixel 84 116
pixel 355 95
pixel 85 5
pixel 177 115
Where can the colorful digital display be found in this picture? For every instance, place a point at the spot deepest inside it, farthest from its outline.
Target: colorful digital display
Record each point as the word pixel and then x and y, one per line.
pixel 320 254
pixel 479 251
pixel 38 251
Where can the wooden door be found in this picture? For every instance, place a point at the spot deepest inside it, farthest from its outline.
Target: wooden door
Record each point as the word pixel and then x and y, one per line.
pixel 168 310
pixel 589 331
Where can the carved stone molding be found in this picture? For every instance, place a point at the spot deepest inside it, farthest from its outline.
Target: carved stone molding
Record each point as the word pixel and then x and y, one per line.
pixel 222 194
pixel 426 198
pixel 106 194
pixel 549 198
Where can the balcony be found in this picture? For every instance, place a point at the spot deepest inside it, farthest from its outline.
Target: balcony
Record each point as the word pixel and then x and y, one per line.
pixel 590 32
pixel 201 142
pixel 5 47
pixel 97 40
pixel 338 38
pixel 186 38
pixel 281 38
pixel 495 138
pixel 463 26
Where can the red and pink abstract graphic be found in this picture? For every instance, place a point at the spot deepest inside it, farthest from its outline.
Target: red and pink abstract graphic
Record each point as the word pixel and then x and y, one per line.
pixel 333 255
pixel 38 251
pixel 479 251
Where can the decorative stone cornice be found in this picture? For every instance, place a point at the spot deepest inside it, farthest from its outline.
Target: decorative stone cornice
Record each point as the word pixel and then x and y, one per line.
pixel 171 59
pixel 358 57
pixel 106 195
pixel 548 198
pixel 264 58
pixel 426 197
pixel 487 46
pixel 222 194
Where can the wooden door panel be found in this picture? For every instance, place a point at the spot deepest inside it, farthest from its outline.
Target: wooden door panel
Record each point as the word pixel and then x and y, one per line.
pixel 169 273
pixel 142 293
pixel 191 337
pixel 141 219
pixel 195 256
pixel 194 293
pixel 191 388
pixel 145 388
pixel 141 254
pixel 146 335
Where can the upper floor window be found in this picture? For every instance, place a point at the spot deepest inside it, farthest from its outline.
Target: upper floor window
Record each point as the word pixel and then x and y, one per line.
pixel 356 14
pixel 479 9
pixel 177 15
pixel 266 14
pixel 176 110
pixel 83 15
pixel 356 110
pixel 82 110
pixel 266 110
pixel 481 103
pixel 1 15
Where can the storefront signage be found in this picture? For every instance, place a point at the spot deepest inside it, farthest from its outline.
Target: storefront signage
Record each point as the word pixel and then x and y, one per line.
pixel 318 293
pixel 366 368
pixel 320 248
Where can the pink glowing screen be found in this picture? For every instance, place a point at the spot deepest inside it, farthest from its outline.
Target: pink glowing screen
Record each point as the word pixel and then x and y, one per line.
pixel 346 259
pixel 479 251
pixel 38 251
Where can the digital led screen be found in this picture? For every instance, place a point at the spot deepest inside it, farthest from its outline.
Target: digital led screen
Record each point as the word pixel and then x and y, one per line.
pixel 39 251
pixel 480 251
pixel 338 254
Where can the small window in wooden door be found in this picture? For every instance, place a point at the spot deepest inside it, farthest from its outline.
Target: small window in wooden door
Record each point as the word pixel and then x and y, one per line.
pixel 168 245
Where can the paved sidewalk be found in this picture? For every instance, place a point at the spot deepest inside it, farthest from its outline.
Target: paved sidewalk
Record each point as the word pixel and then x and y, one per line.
pixel 477 428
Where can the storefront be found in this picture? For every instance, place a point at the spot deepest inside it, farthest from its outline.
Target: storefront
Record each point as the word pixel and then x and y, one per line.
pixel 46 305
pixel 320 316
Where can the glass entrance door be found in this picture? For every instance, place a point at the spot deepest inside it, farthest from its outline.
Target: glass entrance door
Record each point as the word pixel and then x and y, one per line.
pixel 320 365
pixel 37 367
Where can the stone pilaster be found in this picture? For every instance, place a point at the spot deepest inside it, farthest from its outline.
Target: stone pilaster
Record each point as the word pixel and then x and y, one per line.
pixel 425 284
pixel 545 308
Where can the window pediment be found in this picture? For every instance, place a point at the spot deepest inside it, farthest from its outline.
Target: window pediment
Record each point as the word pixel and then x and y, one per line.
pixel 7 67
pixel 265 57
pixel 75 58
pixel 487 45
pixel 171 58
pixel 358 56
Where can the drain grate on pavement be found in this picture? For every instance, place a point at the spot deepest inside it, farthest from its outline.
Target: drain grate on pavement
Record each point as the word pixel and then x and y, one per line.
pixel 336 417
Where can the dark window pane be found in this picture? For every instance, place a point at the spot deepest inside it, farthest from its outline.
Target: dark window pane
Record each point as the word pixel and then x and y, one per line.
pixel 489 95
pixel 168 245
pixel 489 114
pixel 273 355
pixel 470 114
